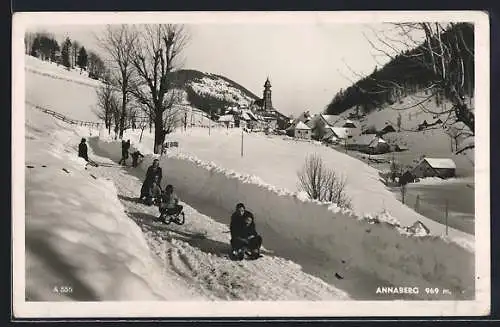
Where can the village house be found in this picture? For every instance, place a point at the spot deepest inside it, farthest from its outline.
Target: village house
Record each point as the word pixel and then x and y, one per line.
pixel 227 120
pixel 369 143
pixel 435 167
pixel 251 121
pixel 320 123
pixel 336 134
pixel 299 130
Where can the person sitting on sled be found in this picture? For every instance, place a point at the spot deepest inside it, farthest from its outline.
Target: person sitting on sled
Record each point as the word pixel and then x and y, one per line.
pixel 170 202
pixel 154 195
pixel 244 236
pixel 153 171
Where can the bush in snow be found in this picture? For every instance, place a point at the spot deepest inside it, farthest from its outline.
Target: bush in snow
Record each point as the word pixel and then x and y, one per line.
pixel 321 183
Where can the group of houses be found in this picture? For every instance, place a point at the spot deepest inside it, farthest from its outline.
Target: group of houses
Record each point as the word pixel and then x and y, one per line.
pixel 333 129
pixel 258 115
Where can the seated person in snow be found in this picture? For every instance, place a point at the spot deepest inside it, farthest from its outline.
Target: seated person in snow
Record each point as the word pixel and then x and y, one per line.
pixel 170 202
pixel 82 150
pixel 153 171
pixel 243 233
pixel 135 158
pixel 154 195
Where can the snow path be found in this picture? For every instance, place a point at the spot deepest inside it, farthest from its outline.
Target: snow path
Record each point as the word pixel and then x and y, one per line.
pixel 196 252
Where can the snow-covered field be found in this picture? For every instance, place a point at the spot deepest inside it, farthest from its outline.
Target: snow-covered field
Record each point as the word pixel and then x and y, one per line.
pixel 55 88
pixel 433 142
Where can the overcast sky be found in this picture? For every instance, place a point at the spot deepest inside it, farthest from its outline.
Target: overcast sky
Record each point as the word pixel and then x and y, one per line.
pixel 306 63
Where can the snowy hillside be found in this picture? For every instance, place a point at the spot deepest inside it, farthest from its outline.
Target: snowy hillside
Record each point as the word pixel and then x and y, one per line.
pixel 432 142
pixel 54 87
pixel 212 86
pixel 98 239
pixel 275 161
pixel 313 251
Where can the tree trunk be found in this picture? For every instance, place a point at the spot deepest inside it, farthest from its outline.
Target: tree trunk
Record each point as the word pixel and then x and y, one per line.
pixel 123 114
pixel 158 134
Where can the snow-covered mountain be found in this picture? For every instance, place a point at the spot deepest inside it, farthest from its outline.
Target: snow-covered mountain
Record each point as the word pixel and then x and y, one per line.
pixel 210 91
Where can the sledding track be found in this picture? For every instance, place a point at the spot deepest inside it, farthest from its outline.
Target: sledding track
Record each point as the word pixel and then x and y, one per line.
pixel 196 252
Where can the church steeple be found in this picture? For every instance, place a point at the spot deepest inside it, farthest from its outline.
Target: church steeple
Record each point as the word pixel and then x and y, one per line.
pixel 268 104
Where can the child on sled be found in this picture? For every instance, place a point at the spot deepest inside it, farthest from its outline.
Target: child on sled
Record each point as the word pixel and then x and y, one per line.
pixel 169 203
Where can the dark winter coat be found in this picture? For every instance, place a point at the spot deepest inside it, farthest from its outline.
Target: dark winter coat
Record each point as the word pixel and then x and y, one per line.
pixel 136 155
pixel 82 151
pixel 151 173
pixel 125 148
pixel 238 227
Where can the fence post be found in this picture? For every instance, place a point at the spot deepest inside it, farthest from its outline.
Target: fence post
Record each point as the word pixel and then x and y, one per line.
pixel 417 203
pixel 446 215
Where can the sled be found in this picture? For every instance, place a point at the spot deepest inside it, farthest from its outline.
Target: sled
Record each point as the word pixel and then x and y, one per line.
pixel 178 219
pixel 92 163
pixel 244 254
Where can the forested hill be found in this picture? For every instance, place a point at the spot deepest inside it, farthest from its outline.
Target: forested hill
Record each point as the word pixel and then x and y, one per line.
pixel 210 91
pixel 380 88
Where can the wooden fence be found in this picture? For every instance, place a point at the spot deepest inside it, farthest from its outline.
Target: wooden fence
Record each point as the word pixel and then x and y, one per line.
pixel 64 118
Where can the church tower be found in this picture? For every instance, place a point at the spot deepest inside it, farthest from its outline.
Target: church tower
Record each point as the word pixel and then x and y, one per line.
pixel 268 105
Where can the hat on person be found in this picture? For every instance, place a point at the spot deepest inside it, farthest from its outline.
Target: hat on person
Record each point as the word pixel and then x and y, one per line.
pixel 240 205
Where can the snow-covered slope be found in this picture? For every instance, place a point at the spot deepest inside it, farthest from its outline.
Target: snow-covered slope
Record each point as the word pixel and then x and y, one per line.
pixel 363 251
pixel 218 88
pixel 79 232
pixel 55 88
pixel 321 238
pixel 276 161
pixel 432 142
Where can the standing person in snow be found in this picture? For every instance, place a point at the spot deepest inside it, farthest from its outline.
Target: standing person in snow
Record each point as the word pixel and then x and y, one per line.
pixel 243 234
pixel 153 170
pixel 125 148
pixel 155 194
pixel 170 202
pixel 82 150
pixel 135 158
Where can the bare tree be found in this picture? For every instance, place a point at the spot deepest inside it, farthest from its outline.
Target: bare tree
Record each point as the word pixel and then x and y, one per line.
pixel 156 56
pixel 456 133
pixel 442 50
pixel 75 47
pixel 107 104
pixel 29 38
pixel 322 183
pixel 118 42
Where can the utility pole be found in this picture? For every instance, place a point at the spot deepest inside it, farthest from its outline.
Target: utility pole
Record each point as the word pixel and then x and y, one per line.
pixel 209 121
pixel 446 215
pixel 242 142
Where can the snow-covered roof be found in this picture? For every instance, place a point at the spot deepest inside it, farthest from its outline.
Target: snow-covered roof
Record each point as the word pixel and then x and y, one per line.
pixel 330 119
pixel 347 123
pixel 441 163
pixel 226 118
pixel 245 116
pixel 301 125
pixel 251 115
pixel 340 132
pixel 365 139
